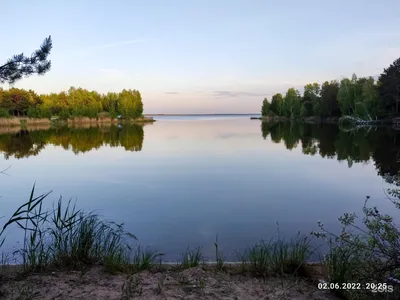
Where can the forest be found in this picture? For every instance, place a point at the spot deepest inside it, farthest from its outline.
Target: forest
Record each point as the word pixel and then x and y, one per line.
pixel 76 102
pixel 363 98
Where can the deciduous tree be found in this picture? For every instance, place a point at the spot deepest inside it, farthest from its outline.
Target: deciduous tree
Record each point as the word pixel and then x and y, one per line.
pixel 277 104
pixel 265 108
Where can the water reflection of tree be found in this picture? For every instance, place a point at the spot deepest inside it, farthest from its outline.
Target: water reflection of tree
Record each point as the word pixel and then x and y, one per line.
pixel 20 145
pixel 79 140
pixel 382 145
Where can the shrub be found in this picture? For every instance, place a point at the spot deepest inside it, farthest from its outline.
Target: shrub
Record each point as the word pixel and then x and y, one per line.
pixel 364 253
pixel 4 113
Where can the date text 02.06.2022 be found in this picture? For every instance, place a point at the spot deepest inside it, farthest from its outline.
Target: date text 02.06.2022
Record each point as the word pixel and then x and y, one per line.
pixel 373 287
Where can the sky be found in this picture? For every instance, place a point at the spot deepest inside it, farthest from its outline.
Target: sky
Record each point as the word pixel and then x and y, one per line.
pixel 208 56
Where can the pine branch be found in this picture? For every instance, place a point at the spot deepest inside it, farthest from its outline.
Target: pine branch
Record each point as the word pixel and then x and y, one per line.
pixel 19 65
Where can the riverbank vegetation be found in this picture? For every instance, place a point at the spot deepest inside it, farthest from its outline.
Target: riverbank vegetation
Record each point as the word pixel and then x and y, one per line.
pixel 65 239
pixel 355 99
pixel 74 103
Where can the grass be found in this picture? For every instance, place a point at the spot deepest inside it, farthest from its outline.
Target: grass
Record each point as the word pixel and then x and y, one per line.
pixel 36 121
pixel 219 256
pixel 145 259
pixel 65 237
pixel 192 257
pixel 9 122
pixel 276 256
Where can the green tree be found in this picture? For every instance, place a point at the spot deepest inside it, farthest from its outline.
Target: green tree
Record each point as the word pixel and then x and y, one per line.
pixel 389 88
pixel 292 104
pixel 329 103
pixel 130 104
pixel 359 97
pixel 277 104
pixel 20 65
pixel 76 102
pixel 346 97
pixel 370 97
pixel 311 99
pixel 265 108
pixel 17 101
pixel 110 103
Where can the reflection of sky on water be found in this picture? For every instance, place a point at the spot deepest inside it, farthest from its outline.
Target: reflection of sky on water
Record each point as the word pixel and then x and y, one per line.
pixel 195 179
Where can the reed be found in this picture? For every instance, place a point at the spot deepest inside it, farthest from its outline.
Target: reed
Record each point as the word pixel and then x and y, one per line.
pixel 66 237
pixel 192 257
pixel 277 256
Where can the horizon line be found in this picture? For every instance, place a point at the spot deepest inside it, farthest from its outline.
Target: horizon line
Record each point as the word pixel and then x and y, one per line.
pixel 201 114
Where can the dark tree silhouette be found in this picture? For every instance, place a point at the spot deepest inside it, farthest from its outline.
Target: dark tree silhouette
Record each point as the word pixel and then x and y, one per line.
pixel 20 65
pixel 389 87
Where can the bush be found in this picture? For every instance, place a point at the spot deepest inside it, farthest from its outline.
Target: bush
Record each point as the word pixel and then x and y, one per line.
pixel 64 114
pixel 4 113
pixel 367 253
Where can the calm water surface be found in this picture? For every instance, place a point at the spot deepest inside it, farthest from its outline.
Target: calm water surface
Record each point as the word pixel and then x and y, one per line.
pixel 183 180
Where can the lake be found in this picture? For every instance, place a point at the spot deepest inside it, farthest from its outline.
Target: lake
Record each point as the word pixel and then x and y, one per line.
pixel 185 179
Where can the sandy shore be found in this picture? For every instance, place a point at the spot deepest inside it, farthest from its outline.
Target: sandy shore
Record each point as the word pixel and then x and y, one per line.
pixel 167 283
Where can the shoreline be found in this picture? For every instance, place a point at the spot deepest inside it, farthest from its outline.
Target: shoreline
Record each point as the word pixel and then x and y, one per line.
pixel 23 122
pixel 331 120
pixel 150 115
pixel 160 282
pixel 308 120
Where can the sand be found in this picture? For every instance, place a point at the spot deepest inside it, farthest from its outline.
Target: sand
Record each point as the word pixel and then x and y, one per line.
pixel 194 283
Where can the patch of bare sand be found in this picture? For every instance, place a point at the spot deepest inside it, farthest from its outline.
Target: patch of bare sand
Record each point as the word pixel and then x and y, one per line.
pixel 195 283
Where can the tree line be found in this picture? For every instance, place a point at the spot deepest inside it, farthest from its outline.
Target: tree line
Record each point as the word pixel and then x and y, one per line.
pixel 361 97
pixel 76 102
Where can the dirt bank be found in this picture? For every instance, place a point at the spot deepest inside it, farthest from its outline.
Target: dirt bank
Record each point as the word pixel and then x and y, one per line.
pixel 168 283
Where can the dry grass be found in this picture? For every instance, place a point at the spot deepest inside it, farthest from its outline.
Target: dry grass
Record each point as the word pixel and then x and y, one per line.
pixel 32 121
pixel 82 125
pixel 18 121
pixel 144 120
pixel 16 129
pixel 10 122
pixel 107 120
pixel 81 120
pixel 86 120
pixel 103 118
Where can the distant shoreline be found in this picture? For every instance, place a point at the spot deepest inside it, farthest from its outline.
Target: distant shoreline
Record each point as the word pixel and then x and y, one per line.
pixel 150 115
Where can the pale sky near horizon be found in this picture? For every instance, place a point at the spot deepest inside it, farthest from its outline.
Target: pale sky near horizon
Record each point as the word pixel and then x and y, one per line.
pixel 204 56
